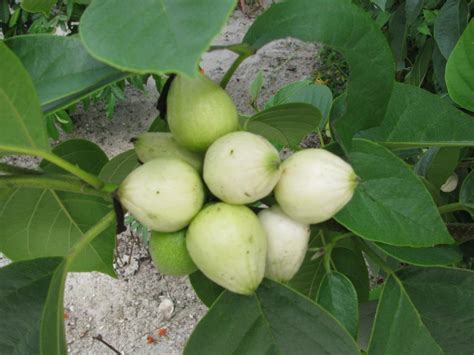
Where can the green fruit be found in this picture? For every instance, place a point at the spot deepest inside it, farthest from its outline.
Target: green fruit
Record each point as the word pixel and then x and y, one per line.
pixel 199 112
pixel 228 244
pixel 241 168
pixel 152 145
pixel 163 194
pixel 168 252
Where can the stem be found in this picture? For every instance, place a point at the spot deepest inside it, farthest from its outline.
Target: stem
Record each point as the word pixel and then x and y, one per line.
pixel 451 207
pixel 327 253
pixel 89 236
pixel 371 254
pixel 56 160
pixel 228 75
pixel 60 183
pixel 12 169
pixel 73 169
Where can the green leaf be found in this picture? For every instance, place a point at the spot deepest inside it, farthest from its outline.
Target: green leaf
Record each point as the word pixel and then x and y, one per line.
pixel 417 118
pixel 390 204
pixel 320 96
pixel 256 86
pixel 422 63
pixel 398 327
pixel 351 263
pixel 439 69
pixel 44 222
pixel 460 70
pixel 349 30
pixel 444 298
pixel 22 123
pixel 43 6
pixel 285 125
pixel 338 296
pixel 436 256
pixel 449 24
pixel 205 289
pixel 117 169
pixel 83 153
pixel 466 195
pixel 62 70
pixel 152 36
pixel 367 312
pixel 275 320
pixel 31 307
pixel 413 9
pixel 437 164
pixel 398 30
pixel 41 223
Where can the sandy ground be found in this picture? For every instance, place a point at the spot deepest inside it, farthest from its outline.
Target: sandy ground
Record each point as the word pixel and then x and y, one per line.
pixel 126 311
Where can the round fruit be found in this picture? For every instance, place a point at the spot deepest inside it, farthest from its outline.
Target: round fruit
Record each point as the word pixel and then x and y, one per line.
pixel 152 145
pixel 199 112
pixel 163 194
pixel 314 185
pixel 168 252
pixel 287 243
pixel 241 168
pixel 228 244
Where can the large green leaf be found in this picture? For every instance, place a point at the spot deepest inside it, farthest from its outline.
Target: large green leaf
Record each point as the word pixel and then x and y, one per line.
pixel 117 169
pixel 207 290
pixel 43 6
pixel 449 24
pixel 351 31
pixel 416 117
pixel 460 70
pixel 390 204
pixel 435 256
pixel 338 296
pixel 31 307
pixel 275 320
pixel 152 36
pixel 23 126
pixel 304 91
pixel 62 70
pixel 444 298
pixel 43 222
pixel 398 327
pixel 285 125
pixel 398 32
pixel 422 64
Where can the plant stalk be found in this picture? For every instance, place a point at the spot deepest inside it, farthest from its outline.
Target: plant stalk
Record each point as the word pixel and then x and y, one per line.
pixel 59 183
pixel 451 207
pixel 228 75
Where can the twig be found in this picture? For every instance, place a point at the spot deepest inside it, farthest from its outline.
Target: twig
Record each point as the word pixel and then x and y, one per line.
pixel 99 338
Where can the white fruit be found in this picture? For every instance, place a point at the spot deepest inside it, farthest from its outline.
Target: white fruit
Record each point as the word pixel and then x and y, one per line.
pixel 163 194
pixel 152 145
pixel 314 185
pixel 241 168
pixel 287 243
pixel 228 244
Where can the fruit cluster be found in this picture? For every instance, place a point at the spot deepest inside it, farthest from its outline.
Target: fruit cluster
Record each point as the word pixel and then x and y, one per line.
pixel 206 158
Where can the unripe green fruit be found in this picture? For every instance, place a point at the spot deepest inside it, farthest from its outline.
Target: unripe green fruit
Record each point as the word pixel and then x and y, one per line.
pixel 241 168
pixel 152 145
pixel 163 194
pixel 228 244
pixel 169 254
pixel 314 185
pixel 287 243
pixel 199 112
